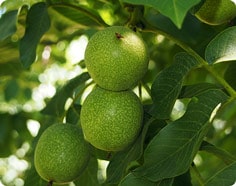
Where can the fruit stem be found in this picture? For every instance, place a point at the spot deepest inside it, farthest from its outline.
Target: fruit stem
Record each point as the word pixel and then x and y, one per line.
pixel 50 183
pixel 190 51
pixel 136 13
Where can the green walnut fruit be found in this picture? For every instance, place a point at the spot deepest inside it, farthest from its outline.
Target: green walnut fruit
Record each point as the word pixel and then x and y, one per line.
pixel 111 120
pixel 116 58
pixel 61 153
pixel 216 12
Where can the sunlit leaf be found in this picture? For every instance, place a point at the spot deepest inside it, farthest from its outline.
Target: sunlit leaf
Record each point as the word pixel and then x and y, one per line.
pixel 222 47
pixel 8 24
pixel 167 85
pixel 56 105
pixel 172 150
pixel 224 177
pixel 16 4
pixel 175 10
pixel 79 14
pixel 37 23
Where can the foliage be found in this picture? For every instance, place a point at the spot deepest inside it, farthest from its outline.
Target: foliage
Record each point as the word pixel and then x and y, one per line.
pixel 188 93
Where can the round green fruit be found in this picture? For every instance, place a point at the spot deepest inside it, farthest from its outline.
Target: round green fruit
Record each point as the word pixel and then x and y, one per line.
pixel 61 153
pixel 116 58
pixel 110 120
pixel 216 12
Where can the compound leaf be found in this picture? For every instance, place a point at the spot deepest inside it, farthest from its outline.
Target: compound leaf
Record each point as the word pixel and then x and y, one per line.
pixel 167 85
pixel 172 150
pixel 189 91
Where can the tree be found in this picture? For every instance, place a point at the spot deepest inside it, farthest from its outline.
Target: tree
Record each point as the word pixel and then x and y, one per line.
pixel 188 93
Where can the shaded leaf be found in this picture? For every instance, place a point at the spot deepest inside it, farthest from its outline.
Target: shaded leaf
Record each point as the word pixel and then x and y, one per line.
pixel 8 24
pixel 189 91
pixel 222 47
pixel 79 14
pixel 119 162
pixel 37 23
pixel 56 105
pixel 182 180
pixel 220 153
pixel 89 176
pixel 32 178
pixel 73 114
pixel 224 177
pixel 9 52
pixel 11 89
pixel 175 10
pixel 5 135
pixel 11 68
pixel 229 74
pixel 167 85
pixel 172 150
pixel 131 179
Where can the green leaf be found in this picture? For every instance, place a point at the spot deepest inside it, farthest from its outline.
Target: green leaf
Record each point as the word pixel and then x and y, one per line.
pixel 167 85
pixel 131 179
pixel 175 10
pixel 73 114
pixel 10 68
pixel 119 162
pixel 79 14
pixel 222 47
pixel 56 105
pixel 226 157
pixel 224 177
pixel 229 74
pixel 8 24
pixel 11 89
pixel 189 91
pixel 5 135
pixel 89 176
pixel 184 179
pixel 32 178
pixel 16 4
pixel 37 23
pixel 172 150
